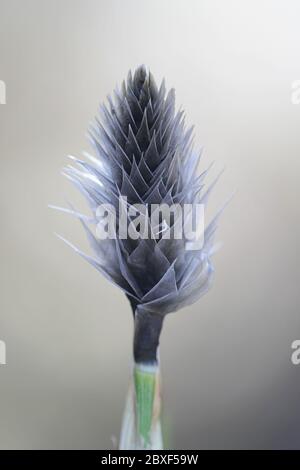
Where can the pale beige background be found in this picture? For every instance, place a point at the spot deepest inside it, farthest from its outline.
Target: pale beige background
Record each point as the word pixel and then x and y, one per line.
pixel 228 378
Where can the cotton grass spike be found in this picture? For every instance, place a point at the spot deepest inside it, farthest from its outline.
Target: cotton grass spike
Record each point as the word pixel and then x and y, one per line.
pixel 144 154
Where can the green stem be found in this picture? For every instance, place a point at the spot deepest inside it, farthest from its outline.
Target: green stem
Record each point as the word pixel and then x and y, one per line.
pixel 141 428
pixel 145 381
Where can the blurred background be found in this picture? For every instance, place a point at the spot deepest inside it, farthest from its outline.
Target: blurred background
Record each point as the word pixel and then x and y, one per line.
pixel 227 375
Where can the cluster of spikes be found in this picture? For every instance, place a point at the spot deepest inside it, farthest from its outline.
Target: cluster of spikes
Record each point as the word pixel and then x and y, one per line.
pixel 145 153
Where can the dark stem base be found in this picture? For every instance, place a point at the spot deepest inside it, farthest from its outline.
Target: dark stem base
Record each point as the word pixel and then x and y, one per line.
pixel 147 329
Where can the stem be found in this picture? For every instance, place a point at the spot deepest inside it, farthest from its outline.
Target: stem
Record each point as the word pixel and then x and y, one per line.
pixel 141 428
pixel 147 329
